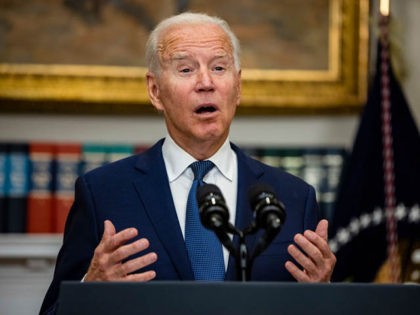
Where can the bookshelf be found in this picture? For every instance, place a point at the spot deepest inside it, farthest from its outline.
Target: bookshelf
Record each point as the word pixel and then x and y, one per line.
pixel 29 246
pixel 37 179
pixel 26 267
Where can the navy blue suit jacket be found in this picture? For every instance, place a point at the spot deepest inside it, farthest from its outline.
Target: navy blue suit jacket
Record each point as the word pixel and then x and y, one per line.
pixel 135 192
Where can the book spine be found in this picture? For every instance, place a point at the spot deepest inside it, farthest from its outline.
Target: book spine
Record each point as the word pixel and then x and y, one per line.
pixel 287 159
pixel 139 148
pixel 333 162
pixel 67 162
pixel 40 198
pixel 93 156
pixel 3 172
pixel 17 183
pixel 118 151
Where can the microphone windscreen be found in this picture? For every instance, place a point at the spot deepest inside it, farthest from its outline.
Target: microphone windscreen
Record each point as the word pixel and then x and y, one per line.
pixel 257 192
pixel 204 190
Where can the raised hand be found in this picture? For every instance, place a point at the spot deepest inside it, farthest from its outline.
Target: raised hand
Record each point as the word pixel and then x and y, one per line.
pixel 313 255
pixel 108 262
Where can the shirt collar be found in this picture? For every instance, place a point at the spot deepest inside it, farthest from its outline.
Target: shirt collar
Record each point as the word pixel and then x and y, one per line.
pixel 177 160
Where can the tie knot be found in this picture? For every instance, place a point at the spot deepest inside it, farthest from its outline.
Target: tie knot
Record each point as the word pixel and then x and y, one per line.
pixel 201 168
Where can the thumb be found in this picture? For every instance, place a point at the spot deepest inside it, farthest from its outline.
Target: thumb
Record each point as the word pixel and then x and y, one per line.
pixel 109 229
pixel 322 229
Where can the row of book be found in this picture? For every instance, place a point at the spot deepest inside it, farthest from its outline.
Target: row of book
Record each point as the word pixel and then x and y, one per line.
pixel 37 178
pixel 319 166
pixel 37 181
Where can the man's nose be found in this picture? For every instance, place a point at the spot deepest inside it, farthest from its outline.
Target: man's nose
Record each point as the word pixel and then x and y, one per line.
pixel 204 80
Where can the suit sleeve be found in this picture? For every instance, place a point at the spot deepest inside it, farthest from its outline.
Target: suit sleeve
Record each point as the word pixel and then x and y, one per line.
pixel 80 240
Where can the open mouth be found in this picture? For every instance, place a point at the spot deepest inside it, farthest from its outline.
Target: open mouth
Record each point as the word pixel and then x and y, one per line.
pixel 205 109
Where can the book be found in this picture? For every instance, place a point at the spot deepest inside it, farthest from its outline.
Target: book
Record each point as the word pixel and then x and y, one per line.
pixel 17 186
pixel 3 170
pixel 333 161
pixel 313 171
pixel 40 197
pixel 67 167
pixel 117 152
pixel 292 161
pixel 139 148
pixel 288 159
pixel 93 156
pixel 271 156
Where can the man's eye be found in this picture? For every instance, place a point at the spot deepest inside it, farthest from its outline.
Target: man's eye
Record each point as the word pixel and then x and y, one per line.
pixel 185 70
pixel 219 68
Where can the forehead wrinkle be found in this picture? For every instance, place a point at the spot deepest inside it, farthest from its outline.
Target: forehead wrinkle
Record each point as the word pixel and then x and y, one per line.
pixel 180 56
pixel 174 44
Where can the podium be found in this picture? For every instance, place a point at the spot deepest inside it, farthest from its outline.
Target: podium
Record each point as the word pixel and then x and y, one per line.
pixel 219 298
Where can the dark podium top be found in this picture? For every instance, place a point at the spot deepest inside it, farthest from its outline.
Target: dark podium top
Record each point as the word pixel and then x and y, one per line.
pixel 259 298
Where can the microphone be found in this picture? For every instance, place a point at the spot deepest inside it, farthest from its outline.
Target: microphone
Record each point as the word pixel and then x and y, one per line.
pixel 214 213
pixel 269 215
pixel 269 212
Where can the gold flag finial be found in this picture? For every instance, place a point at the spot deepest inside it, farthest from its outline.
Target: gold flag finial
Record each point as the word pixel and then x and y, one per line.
pixel 384 7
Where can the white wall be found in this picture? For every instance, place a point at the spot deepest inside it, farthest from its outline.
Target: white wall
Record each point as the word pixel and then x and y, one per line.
pixel 407 17
pixel 245 130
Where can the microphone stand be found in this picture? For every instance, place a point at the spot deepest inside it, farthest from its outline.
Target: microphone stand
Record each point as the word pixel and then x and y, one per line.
pixel 243 260
pixel 240 254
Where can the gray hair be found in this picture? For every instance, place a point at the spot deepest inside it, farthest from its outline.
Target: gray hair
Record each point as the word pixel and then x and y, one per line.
pixel 187 18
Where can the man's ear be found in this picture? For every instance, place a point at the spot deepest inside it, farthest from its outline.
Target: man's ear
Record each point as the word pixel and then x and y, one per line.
pixel 239 87
pixel 153 90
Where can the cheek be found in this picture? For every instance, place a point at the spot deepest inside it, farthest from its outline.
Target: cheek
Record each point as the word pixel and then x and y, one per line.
pixel 234 95
pixel 176 93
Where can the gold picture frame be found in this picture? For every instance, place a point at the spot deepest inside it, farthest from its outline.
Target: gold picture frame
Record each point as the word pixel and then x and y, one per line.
pixel 98 89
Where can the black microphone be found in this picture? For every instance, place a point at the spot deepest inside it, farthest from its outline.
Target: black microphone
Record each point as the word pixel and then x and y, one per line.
pixel 269 215
pixel 214 213
pixel 269 212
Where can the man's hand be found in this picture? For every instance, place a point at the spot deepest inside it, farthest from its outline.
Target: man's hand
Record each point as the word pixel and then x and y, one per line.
pixel 107 262
pixel 313 254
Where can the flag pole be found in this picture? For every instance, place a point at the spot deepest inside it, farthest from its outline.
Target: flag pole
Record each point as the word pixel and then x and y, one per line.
pixel 387 146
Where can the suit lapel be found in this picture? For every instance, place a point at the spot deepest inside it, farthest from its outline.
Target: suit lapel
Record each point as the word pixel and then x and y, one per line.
pixel 154 191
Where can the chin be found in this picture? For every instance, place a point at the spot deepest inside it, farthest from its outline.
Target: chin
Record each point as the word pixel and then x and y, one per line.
pixel 212 135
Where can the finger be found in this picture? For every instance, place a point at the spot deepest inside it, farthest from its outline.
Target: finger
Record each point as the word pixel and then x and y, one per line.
pixel 322 229
pixel 303 260
pixel 109 229
pixel 139 263
pixel 310 249
pixel 320 243
pixel 141 277
pixel 296 273
pixel 326 259
pixel 119 239
pixel 120 271
pixel 126 251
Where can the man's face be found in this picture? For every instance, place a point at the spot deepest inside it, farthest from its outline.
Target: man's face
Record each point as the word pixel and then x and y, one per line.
pixel 198 88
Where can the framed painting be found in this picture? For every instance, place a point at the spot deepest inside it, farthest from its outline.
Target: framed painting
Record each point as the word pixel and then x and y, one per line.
pixel 86 56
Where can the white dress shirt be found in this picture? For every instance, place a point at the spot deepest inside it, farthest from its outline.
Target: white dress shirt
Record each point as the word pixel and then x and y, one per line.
pixel 224 175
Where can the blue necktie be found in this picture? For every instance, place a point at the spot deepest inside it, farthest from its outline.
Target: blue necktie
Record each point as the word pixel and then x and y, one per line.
pixel 204 248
